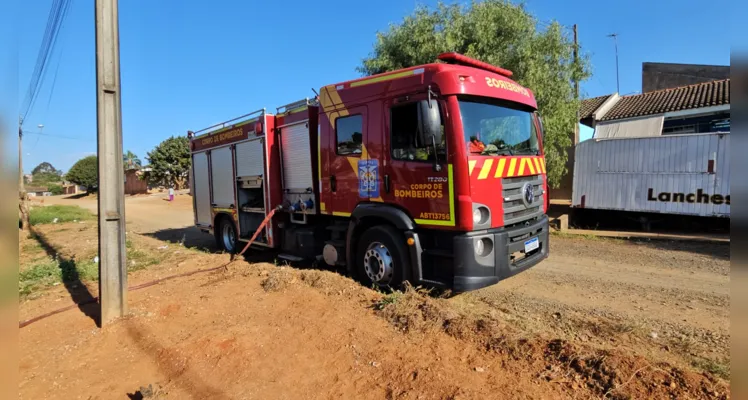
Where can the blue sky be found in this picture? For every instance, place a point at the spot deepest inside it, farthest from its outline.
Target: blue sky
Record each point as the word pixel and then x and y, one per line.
pixel 188 64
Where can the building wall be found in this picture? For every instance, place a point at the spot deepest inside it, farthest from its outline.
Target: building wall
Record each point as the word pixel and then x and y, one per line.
pixel 135 185
pixel 658 76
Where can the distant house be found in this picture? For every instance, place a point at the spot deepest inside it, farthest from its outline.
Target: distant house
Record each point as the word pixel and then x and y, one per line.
pixel 135 182
pixel 37 191
pixel 69 188
pixel 698 108
pixel 675 99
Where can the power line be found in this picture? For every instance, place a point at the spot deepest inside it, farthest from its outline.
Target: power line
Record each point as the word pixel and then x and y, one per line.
pixel 54 78
pixel 55 19
pixel 56 136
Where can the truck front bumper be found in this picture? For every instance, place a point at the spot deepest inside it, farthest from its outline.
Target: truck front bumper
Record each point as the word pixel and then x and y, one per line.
pixel 506 258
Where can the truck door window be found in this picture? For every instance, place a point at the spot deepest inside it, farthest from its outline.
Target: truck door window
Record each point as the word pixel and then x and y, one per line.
pixel 349 134
pixel 404 140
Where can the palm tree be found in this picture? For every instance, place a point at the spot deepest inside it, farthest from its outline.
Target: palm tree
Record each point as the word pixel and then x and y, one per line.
pixel 131 161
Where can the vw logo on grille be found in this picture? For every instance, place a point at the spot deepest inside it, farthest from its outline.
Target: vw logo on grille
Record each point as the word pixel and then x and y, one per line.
pixel 528 196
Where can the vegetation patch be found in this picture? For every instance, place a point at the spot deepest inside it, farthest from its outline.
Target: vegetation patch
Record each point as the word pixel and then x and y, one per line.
pixel 58 214
pixel 51 271
pixel 139 258
pixel 718 368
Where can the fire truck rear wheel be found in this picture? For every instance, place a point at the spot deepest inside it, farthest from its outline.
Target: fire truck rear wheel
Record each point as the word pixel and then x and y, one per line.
pixel 382 258
pixel 226 235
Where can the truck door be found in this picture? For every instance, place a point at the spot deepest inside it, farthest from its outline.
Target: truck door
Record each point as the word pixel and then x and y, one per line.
pixel 222 178
pixel 200 186
pixel 348 162
pixel 416 176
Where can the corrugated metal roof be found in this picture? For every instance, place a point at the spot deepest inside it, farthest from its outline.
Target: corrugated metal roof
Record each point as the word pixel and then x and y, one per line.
pixel 707 94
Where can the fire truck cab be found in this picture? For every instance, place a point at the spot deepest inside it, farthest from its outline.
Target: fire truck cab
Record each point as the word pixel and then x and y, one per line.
pixel 432 174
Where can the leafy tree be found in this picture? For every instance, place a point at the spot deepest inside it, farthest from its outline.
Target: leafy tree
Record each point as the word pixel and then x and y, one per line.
pixel 45 173
pixel 499 33
pixel 170 162
pixel 55 189
pixel 85 172
pixel 45 167
pixel 131 161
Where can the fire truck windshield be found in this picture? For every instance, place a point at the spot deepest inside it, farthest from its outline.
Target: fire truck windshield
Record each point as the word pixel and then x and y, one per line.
pixel 494 127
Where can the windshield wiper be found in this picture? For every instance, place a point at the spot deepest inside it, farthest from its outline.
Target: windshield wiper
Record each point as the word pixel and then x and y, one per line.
pixel 529 151
pixel 502 152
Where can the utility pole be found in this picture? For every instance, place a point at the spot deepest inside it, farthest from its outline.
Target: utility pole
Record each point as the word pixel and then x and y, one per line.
pixel 576 60
pixel 22 205
pixel 20 155
pixel 615 43
pixel 576 85
pixel 112 263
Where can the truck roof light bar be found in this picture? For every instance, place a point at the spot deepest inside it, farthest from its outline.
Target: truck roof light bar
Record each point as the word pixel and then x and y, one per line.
pixel 457 58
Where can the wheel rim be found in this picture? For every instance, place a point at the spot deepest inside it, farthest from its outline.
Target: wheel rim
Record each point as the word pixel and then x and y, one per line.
pixel 378 263
pixel 228 235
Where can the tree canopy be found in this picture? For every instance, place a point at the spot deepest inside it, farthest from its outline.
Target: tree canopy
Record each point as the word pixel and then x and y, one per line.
pixel 170 162
pixel 503 34
pixel 45 173
pixel 131 161
pixel 44 167
pixel 85 172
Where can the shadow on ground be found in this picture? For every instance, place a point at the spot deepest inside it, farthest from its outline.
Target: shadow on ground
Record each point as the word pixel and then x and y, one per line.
pixel 662 224
pixel 189 236
pixel 192 237
pixel 77 196
pixel 79 293
pixel 719 251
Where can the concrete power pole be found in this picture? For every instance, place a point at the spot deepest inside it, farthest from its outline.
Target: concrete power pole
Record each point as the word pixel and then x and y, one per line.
pixel 20 155
pixel 22 205
pixel 112 263
pixel 576 86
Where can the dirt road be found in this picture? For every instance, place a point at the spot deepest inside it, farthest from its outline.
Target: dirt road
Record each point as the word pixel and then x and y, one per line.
pixel 639 316
pixel 153 215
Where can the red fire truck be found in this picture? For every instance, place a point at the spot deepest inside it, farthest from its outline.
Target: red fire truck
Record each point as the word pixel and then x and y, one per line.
pixel 432 174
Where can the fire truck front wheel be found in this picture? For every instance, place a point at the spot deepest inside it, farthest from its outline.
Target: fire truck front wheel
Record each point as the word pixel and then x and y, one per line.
pixel 382 257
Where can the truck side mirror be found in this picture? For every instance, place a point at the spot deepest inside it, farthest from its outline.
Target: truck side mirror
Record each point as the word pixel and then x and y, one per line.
pixel 541 134
pixel 430 127
pixel 429 123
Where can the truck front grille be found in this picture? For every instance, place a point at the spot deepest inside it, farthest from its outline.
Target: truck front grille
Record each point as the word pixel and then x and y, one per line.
pixel 515 210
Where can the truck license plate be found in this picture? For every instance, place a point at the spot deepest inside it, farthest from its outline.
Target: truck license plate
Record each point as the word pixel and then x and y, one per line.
pixel 531 245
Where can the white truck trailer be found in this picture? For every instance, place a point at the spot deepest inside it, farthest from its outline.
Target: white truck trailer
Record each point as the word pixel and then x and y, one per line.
pixel 669 174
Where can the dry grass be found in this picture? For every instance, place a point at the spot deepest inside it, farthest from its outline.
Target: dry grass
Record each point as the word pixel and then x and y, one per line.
pixel 606 372
pixel 278 280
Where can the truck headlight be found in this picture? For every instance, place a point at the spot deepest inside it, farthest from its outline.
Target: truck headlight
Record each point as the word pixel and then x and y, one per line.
pixel 481 215
pixel 483 246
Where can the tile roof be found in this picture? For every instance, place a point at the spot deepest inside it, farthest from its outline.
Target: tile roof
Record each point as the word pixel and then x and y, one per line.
pixel 714 93
pixel 588 106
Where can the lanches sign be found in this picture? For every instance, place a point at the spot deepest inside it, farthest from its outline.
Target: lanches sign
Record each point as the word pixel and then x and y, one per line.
pixel 699 197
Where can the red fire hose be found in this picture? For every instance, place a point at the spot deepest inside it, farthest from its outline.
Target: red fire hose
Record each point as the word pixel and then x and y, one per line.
pixel 154 282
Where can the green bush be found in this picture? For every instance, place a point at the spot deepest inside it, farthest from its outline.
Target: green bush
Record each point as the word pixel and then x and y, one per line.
pixel 85 172
pixel 55 190
pixel 47 215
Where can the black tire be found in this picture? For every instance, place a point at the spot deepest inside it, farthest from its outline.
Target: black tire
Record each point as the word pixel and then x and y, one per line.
pixel 222 242
pixel 392 243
